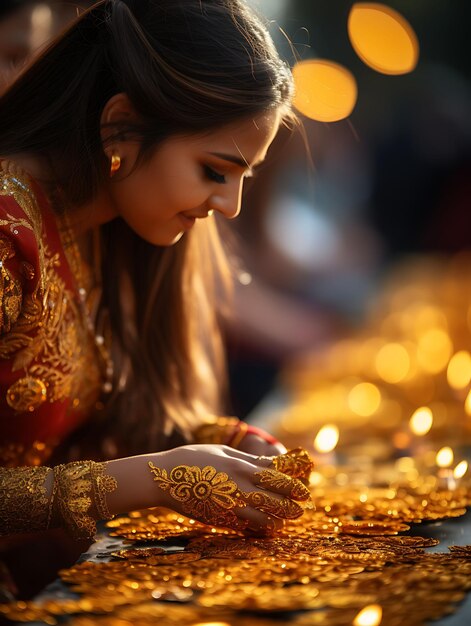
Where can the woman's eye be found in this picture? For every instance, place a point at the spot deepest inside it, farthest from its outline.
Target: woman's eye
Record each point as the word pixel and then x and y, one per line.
pixel 214 176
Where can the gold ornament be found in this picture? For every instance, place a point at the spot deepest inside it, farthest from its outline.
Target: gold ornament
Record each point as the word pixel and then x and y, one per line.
pixel 296 463
pixel 294 488
pixel 26 394
pixel 115 164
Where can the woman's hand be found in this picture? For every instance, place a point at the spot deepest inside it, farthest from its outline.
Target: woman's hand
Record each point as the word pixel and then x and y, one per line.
pixel 256 445
pixel 214 484
pixel 226 487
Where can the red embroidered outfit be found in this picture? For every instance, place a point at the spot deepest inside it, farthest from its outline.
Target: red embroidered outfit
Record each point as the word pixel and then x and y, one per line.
pixel 50 374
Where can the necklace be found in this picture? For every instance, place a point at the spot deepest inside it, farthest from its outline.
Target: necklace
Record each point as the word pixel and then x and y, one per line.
pixel 89 289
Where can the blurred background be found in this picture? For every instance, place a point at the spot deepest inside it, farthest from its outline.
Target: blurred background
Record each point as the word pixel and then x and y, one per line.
pixel 385 92
pixel 378 172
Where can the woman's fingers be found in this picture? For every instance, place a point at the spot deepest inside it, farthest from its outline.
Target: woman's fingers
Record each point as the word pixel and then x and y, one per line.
pixel 256 445
pixel 280 483
pixel 296 463
pixel 272 505
pixel 260 522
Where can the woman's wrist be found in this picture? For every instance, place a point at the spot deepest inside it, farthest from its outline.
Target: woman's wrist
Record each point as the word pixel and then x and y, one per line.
pixel 136 489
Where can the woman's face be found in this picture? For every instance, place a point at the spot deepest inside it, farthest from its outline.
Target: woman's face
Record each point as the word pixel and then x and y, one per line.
pixel 188 178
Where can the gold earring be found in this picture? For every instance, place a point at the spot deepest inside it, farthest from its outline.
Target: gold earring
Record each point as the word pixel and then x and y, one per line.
pixel 115 164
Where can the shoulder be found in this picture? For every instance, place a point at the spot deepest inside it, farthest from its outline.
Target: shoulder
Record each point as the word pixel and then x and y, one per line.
pixel 20 233
pixel 19 204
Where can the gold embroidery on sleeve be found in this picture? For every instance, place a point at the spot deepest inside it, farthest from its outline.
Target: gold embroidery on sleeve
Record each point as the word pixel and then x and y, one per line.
pixel 49 340
pixel 24 501
pixel 10 288
pixel 78 486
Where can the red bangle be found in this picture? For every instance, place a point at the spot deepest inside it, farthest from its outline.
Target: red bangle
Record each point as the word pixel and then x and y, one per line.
pixel 253 430
pixel 243 429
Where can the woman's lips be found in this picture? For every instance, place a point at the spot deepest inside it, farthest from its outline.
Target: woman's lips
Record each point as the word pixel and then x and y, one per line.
pixel 187 222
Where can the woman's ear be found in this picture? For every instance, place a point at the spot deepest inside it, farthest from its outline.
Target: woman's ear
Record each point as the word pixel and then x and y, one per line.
pixel 119 108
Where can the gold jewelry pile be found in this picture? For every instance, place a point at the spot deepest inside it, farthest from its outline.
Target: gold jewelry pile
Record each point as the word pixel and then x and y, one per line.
pixel 397 400
pixel 338 559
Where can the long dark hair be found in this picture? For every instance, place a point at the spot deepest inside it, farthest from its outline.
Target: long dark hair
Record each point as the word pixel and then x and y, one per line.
pixel 188 66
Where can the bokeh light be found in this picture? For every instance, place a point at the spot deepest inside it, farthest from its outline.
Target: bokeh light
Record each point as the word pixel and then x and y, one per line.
pixel 392 363
pixel 324 91
pixel 383 39
pixel 364 399
pixel 434 350
pixel 445 457
pixel 327 438
pixel 461 469
pixel 421 421
pixel 459 370
pixel 369 616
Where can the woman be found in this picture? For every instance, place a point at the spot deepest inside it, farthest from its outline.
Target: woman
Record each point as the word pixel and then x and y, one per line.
pixel 119 144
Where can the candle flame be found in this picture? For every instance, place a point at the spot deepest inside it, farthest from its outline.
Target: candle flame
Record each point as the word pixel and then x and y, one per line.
pixel 371 615
pixel 445 457
pixel 327 438
pixel 461 469
pixel 421 421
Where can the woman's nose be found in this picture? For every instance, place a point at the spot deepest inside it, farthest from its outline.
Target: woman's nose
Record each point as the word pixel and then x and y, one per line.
pixel 228 202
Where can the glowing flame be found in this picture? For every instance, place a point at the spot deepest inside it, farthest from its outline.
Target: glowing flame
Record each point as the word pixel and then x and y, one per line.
pixel 459 370
pixel 383 38
pixel 371 615
pixel 364 399
pixel 327 438
pixel 461 469
pixel 421 421
pixel 324 91
pixel 445 457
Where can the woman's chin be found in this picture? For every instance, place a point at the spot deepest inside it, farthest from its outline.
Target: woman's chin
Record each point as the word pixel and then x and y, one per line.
pixel 162 240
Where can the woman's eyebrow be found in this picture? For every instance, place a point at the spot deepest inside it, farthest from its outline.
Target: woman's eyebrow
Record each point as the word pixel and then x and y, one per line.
pixel 231 158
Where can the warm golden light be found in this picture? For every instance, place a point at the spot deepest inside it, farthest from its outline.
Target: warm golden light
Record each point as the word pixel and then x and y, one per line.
pixel 445 457
pixel 324 91
pixel 405 464
pixel 211 624
pixel 327 438
pixel 42 22
pixel 434 350
pixel 392 363
pixel 369 616
pixel 383 38
pixel 460 470
pixel 364 399
pixel 421 421
pixel 459 370
pixel 467 404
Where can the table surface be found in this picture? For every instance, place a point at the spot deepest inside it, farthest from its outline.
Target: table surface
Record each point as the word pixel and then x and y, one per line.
pixel 449 532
